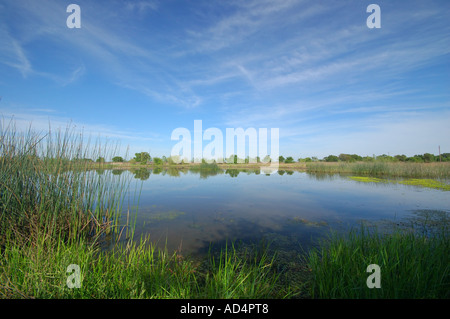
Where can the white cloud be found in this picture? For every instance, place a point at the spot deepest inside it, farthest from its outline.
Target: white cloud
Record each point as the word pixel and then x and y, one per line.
pixel 142 6
pixel 13 54
pixel 40 119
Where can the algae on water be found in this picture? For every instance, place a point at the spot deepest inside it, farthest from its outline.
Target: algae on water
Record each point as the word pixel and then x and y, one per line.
pixel 161 216
pixel 421 182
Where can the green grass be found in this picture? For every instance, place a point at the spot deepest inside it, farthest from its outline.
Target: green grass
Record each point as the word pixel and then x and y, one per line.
pixel 134 270
pixel 383 169
pixel 236 276
pixel 412 265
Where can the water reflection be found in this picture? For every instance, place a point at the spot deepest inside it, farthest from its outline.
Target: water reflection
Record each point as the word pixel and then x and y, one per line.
pixel 141 173
pixel 144 173
pixel 428 221
pixel 196 207
pixel 117 171
pixel 323 176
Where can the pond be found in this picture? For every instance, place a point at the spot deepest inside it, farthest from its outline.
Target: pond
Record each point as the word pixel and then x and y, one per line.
pixel 191 209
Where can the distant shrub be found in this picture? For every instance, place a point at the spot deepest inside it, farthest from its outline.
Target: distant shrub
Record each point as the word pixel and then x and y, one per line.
pixel 117 159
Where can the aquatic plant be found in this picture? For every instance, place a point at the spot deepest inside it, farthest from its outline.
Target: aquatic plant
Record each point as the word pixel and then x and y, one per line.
pixel 422 182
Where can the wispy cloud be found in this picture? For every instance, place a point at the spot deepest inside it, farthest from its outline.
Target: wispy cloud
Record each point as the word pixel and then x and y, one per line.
pixel 307 67
pixel 13 54
pixel 142 6
pixel 40 119
pixel 124 61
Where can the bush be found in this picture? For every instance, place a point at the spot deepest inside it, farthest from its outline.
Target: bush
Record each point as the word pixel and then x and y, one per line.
pixel 117 159
pixel 289 159
pixel 331 158
pixel 157 161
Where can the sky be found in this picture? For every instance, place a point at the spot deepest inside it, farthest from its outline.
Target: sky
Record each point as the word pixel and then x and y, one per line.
pixel 137 70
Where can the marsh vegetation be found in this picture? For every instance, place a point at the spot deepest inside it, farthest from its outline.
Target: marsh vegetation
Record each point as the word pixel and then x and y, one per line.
pixel 57 210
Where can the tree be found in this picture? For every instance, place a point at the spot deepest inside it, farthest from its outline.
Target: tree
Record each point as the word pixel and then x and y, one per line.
pixel 445 157
pixel 401 158
pixel 100 160
pixel 117 159
pixel 142 157
pixel 386 158
pixel 142 174
pixel 350 157
pixel 174 159
pixel 157 160
pixel 267 159
pixel 289 159
pixel 415 159
pixel 345 157
pixel 331 158
pixel 281 159
pixel 427 157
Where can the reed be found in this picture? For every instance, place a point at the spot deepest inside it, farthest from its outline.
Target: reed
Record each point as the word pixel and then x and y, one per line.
pixel 234 276
pixel 386 169
pixel 46 189
pixel 413 265
pixel 132 270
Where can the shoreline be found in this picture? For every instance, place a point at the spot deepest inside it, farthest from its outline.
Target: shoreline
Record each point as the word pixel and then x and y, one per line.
pixel 375 169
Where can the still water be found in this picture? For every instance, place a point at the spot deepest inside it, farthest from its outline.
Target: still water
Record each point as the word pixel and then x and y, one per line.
pixel 190 210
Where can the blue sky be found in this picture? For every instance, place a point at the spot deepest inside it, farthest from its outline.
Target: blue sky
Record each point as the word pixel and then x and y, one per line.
pixel 137 70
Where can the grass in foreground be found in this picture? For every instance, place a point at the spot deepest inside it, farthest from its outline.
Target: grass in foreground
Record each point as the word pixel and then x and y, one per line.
pixel 412 265
pixel 133 271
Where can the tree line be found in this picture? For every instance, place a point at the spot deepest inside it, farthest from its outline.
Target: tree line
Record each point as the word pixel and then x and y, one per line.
pixel 421 158
pixel 146 158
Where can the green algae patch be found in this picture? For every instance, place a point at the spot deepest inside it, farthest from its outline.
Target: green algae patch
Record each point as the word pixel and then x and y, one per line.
pixel 367 179
pixel 165 216
pixel 420 182
pixel 299 220
pixel 430 183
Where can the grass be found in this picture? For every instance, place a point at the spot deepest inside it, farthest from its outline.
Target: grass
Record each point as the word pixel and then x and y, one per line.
pixel 412 265
pixel 245 276
pixel 383 169
pixel 134 270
